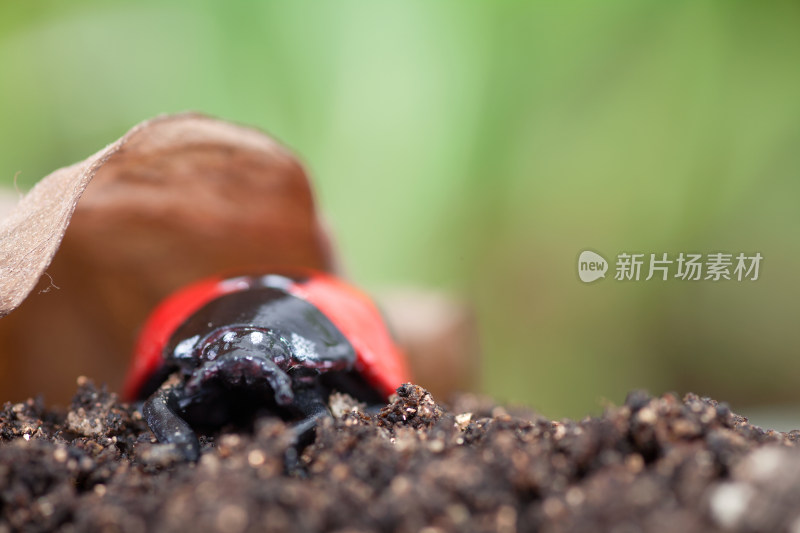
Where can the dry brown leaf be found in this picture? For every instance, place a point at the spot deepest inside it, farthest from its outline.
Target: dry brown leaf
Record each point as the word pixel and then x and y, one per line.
pixel 177 198
pixel 31 234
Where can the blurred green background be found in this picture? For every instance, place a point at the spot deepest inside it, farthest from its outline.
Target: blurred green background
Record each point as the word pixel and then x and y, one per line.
pixel 480 147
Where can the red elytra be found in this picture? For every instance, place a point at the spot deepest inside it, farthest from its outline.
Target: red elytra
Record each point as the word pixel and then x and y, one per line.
pixel 379 360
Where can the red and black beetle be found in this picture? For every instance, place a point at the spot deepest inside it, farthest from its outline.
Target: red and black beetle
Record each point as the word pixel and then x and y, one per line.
pixel 270 343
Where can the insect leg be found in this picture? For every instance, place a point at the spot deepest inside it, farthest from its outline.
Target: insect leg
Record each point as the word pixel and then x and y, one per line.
pixel 310 402
pixel 168 427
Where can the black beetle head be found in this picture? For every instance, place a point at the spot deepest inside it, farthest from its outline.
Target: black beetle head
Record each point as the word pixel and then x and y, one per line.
pixel 244 340
pixel 238 356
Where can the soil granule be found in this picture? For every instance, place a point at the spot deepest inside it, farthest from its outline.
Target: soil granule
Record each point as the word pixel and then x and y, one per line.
pixel 652 464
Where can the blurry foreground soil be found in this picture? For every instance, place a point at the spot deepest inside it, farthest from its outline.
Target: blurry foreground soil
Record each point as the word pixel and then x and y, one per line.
pixel 653 464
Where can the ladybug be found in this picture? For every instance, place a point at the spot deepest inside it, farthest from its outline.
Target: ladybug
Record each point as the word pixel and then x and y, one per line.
pixel 229 350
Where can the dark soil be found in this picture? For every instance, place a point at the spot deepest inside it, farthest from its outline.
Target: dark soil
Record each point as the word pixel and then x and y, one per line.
pixel 653 464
